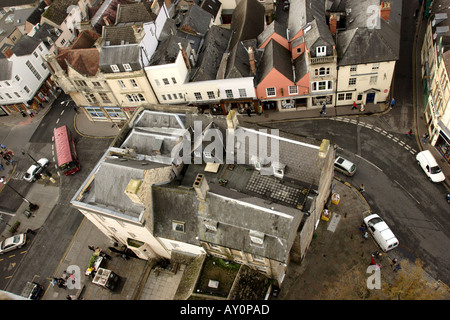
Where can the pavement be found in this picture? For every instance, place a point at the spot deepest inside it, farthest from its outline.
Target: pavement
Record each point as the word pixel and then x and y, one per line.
pixel 337 244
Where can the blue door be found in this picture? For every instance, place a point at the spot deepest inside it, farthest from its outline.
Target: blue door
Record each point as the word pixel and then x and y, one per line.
pixel 370 98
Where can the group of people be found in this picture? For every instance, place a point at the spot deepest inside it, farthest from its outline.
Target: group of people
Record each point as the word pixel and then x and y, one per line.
pixel 361 108
pixel 6 156
pixel 62 281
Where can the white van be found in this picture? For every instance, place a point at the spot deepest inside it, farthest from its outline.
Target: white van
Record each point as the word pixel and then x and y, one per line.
pixel 427 162
pixel 381 232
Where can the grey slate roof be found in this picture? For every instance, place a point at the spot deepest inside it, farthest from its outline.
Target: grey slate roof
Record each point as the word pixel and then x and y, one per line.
pixel 168 50
pixel 318 35
pixel 302 12
pixel 134 12
pixel 359 44
pixel 301 66
pixel 196 20
pixel 45 33
pixel 274 28
pixel 119 55
pixel 118 34
pixel 277 57
pixel 211 53
pixel 26 45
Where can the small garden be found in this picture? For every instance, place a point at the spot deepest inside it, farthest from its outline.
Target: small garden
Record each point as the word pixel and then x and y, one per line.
pixel 217 270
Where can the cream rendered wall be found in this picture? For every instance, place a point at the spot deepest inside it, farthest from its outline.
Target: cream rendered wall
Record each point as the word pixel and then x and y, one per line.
pixel 157 74
pixel 363 74
pixel 120 94
pixel 121 231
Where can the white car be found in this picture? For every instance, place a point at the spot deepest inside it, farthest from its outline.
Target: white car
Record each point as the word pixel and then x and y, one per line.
pixel 429 165
pixel 344 166
pixel 34 171
pixel 381 232
pixel 13 242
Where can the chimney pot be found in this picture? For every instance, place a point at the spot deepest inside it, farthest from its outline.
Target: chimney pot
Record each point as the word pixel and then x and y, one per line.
pixel 385 10
pixel 333 23
pixel 251 58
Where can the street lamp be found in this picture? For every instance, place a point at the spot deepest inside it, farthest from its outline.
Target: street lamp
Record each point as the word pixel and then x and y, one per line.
pixel 31 206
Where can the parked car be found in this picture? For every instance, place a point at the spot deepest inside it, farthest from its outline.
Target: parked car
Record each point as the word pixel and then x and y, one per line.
pixel 429 165
pixel 381 232
pixel 32 291
pixel 344 166
pixel 35 170
pixel 13 243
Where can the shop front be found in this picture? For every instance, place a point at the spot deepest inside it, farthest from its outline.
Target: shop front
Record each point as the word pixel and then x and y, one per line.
pixel 443 142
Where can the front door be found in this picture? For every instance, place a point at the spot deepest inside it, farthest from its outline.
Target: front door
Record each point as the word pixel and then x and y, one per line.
pixel 370 98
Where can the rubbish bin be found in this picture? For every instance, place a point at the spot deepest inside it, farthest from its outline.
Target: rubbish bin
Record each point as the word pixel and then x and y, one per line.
pixel 335 198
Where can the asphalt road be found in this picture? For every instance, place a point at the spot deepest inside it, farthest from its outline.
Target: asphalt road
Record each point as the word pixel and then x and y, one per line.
pixel 396 188
pixel 41 256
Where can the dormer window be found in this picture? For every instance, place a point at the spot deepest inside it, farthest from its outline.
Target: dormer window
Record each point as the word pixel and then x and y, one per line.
pixel 256 238
pixel 321 51
pixel 115 68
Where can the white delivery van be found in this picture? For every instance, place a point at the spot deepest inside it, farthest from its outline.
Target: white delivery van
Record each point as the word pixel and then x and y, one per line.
pixel 381 232
pixel 427 162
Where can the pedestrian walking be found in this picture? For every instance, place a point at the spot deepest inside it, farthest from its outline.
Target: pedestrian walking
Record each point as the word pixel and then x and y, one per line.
pixel 425 137
pixel 354 106
pixel 392 103
pixel 410 133
pixel 362 228
pixel 365 235
pixel 362 188
pixel 362 108
pixel 23 113
pixel 394 262
pixel 249 112
pixel 323 111
pixel 372 261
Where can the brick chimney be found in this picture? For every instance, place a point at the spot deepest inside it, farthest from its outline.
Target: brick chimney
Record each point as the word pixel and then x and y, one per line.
pixel 8 53
pixel 185 57
pixel 251 58
pixel 333 23
pixel 385 10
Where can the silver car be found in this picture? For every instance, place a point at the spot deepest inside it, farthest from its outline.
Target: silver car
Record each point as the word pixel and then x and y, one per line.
pixel 13 242
pixel 344 166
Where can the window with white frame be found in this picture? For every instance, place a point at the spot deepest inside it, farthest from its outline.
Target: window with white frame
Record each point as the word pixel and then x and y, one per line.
pixel 115 113
pixel 376 66
pixel 127 67
pixel 121 84
pixel 341 96
pixel 322 85
pixel 133 83
pixel 198 96
pixel 115 68
pixel 95 112
pixel 104 97
pixel 373 79
pixel 352 81
pixel 17 77
pixel 157 82
pixel 27 90
pixel 242 93
pixel 166 81
pixel 90 97
pixel 96 84
pixel 80 83
pixel 348 96
pixel 321 51
pixel 353 68
pixel 271 92
pixel 174 81
pixel 211 95
pixel 229 93
pixel 293 90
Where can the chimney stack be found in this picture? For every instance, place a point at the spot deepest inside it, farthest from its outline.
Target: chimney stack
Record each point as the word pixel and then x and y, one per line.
pixel 251 58
pixel 185 57
pixel 333 23
pixel 201 187
pixel 385 10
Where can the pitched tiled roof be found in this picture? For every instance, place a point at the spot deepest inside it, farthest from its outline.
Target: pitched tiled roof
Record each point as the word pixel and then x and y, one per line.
pixel 57 11
pixel 85 61
pixel 135 12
